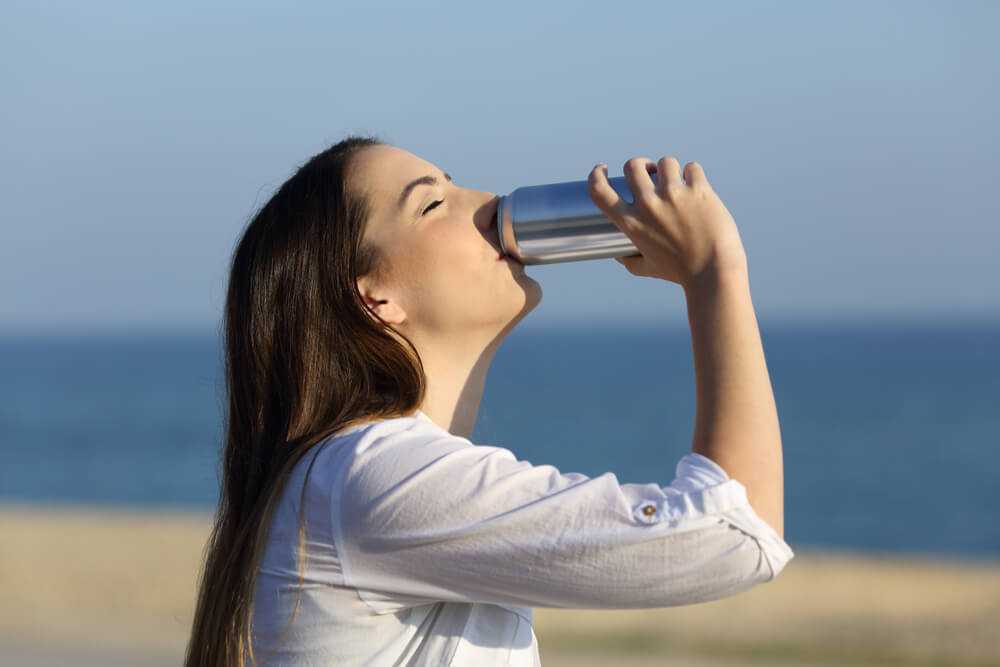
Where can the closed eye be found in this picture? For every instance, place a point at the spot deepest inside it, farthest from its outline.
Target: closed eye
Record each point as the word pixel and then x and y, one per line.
pixel 432 206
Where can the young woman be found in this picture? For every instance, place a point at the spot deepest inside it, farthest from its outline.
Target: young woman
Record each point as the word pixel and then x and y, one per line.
pixel 358 524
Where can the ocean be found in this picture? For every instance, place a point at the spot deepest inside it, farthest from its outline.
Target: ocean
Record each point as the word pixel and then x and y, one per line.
pixel 891 435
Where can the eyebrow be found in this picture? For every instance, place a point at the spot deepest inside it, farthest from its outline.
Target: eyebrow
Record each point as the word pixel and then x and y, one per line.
pixel 423 180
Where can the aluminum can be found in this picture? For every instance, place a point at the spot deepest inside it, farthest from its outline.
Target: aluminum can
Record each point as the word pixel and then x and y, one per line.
pixel 559 222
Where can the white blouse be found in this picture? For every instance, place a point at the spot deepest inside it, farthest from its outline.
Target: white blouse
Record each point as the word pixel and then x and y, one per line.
pixel 424 549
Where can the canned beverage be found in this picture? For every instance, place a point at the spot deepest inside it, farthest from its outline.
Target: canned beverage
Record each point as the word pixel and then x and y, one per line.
pixel 559 222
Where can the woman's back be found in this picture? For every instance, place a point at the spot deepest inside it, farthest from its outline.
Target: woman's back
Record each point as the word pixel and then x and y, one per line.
pixel 333 624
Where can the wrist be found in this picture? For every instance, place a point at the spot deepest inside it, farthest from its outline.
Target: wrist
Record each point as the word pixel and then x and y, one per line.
pixel 723 271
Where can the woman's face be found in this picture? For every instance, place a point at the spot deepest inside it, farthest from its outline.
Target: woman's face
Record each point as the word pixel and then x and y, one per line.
pixel 441 271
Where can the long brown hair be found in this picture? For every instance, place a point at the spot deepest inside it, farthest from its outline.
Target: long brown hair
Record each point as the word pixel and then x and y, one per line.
pixel 304 358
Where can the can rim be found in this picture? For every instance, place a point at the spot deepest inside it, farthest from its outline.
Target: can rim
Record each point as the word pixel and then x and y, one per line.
pixel 508 243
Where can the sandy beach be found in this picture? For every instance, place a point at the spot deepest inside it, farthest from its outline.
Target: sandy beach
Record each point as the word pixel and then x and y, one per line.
pixel 104 587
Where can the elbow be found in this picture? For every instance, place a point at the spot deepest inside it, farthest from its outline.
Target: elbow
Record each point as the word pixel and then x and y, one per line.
pixel 773 554
pixel 745 562
pixel 758 560
pixel 747 567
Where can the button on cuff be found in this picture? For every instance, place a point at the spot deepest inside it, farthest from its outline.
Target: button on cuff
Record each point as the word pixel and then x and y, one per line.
pixel 647 512
pixel 678 506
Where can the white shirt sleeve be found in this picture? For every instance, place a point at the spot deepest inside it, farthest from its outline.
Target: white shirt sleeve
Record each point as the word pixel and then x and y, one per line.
pixel 423 515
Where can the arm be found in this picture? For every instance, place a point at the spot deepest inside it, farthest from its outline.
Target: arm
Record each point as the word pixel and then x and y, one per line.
pixel 423 515
pixel 686 235
pixel 736 424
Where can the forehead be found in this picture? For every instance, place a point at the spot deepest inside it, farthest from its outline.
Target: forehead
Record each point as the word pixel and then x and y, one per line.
pixel 381 172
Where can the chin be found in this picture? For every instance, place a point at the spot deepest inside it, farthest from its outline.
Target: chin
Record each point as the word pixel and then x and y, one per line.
pixel 532 297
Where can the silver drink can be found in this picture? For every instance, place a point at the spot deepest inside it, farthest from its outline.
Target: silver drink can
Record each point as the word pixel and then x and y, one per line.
pixel 559 222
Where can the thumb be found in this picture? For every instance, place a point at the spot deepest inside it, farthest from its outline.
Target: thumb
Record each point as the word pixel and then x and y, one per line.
pixel 634 264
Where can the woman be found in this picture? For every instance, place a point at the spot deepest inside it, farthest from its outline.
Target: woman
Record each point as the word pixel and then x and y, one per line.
pixel 359 526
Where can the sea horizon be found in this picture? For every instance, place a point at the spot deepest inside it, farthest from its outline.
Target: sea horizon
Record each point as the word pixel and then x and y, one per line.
pixel 889 432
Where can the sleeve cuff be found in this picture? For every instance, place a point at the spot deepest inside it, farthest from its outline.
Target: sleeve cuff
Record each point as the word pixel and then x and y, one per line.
pixel 701 487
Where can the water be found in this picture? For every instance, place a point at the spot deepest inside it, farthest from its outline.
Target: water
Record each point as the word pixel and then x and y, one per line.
pixel 891 436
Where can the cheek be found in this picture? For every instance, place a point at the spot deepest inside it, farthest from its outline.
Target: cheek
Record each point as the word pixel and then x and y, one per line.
pixel 447 247
pixel 446 274
pixel 435 250
pixel 452 262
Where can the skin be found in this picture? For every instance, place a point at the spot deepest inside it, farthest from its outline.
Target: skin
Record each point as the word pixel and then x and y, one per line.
pixel 440 284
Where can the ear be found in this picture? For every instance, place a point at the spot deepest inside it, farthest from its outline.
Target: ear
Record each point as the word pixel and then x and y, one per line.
pixel 380 303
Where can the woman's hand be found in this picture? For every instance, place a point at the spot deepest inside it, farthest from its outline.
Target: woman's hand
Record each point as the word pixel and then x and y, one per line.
pixel 681 229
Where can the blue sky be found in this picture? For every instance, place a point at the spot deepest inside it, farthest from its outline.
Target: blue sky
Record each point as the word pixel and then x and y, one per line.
pixel 856 144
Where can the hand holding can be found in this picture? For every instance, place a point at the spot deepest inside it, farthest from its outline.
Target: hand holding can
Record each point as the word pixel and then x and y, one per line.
pixel 680 226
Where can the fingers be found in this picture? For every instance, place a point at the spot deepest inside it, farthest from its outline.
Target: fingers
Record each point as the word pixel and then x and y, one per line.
pixel 637 171
pixel 605 196
pixel 635 264
pixel 668 171
pixel 694 174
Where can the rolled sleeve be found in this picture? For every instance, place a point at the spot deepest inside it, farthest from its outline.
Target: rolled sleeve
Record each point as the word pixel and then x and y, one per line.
pixel 426 516
pixel 701 488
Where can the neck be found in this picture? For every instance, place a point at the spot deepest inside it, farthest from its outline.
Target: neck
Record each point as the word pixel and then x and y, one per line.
pixel 456 376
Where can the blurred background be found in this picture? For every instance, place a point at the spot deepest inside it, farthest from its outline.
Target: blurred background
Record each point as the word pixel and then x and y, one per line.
pixel 855 144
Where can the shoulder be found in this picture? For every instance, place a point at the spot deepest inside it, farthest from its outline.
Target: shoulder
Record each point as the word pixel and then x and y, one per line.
pixel 400 437
pixel 374 454
pixel 410 471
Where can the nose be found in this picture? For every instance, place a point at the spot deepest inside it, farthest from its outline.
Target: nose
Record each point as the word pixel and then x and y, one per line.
pixel 485 216
pixel 486 204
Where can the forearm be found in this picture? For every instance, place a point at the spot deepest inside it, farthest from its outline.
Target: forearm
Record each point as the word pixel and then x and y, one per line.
pixel 736 424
